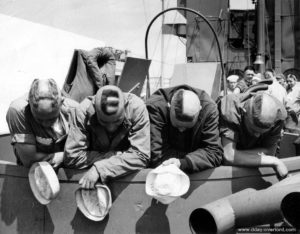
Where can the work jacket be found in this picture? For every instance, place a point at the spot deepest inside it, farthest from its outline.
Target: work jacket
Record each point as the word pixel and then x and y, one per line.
pixel 24 129
pixel 127 150
pixel 198 148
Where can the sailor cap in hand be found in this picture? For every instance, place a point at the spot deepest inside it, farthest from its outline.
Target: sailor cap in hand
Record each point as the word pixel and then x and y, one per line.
pixel 94 203
pixel 167 183
pixel 43 182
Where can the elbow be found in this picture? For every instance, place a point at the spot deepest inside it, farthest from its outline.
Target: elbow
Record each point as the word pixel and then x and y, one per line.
pixel 27 164
pixel 228 159
pixel 144 157
pixel 26 161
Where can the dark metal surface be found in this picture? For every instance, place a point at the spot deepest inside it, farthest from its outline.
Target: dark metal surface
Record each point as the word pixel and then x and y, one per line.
pixel 132 210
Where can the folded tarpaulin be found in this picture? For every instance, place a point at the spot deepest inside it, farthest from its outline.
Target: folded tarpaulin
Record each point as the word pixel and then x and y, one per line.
pixel 89 71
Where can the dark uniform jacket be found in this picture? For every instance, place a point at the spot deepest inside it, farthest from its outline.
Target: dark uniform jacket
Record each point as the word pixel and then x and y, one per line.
pixel 127 150
pixel 232 125
pixel 198 148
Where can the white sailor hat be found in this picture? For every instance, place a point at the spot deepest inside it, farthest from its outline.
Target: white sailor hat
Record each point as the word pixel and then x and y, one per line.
pixel 233 78
pixel 94 203
pixel 167 183
pixel 43 182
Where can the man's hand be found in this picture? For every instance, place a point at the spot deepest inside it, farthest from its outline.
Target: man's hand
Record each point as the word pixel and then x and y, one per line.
pixel 174 161
pixel 56 159
pixel 280 169
pixel 89 179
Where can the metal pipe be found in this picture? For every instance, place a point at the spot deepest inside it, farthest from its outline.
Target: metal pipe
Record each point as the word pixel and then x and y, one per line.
pixel 277 35
pixel 246 208
pixel 260 57
pixel 210 26
pixel 290 208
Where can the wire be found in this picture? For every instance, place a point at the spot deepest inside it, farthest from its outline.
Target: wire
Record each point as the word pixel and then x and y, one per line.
pixel 212 30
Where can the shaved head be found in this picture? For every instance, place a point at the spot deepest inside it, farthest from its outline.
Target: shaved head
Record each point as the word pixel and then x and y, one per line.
pixel 185 109
pixel 45 101
pixel 263 111
pixel 44 89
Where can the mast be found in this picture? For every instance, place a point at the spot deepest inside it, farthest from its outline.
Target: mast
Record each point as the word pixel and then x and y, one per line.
pixel 162 46
pixel 260 56
pixel 277 35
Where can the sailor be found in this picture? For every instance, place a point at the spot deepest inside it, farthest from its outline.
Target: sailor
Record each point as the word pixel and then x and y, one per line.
pixel 276 89
pixel 38 124
pixel 246 82
pixel 184 129
pixel 281 80
pixel 293 94
pixel 250 131
pixel 110 135
pixel 231 84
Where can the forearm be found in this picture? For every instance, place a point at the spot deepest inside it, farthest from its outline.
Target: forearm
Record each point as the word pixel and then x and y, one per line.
pixel 121 164
pixel 203 158
pixel 28 155
pixel 252 158
pixel 159 155
pixel 82 159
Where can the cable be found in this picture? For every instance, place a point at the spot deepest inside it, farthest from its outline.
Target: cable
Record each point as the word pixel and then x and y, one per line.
pixel 210 26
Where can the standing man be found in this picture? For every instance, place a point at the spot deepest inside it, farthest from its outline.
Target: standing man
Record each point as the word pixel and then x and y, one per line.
pixel 281 80
pixel 184 129
pixel 245 83
pixel 275 89
pixel 231 84
pixel 250 131
pixel 293 94
pixel 38 124
pixel 110 134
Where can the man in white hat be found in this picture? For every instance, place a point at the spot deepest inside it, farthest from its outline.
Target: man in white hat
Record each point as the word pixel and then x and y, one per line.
pixel 250 130
pixel 110 134
pixel 184 129
pixel 38 124
pixel 231 84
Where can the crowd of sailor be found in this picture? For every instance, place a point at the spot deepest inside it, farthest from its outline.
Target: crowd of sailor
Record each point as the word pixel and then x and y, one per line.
pixel 113 133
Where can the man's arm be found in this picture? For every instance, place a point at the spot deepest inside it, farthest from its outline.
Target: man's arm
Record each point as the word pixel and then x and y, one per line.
pixel 23 139
pixel 160 147
pixel 28 155
pixel 137 156
pixel 210 152
pixel 77 154
pixel 257 157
